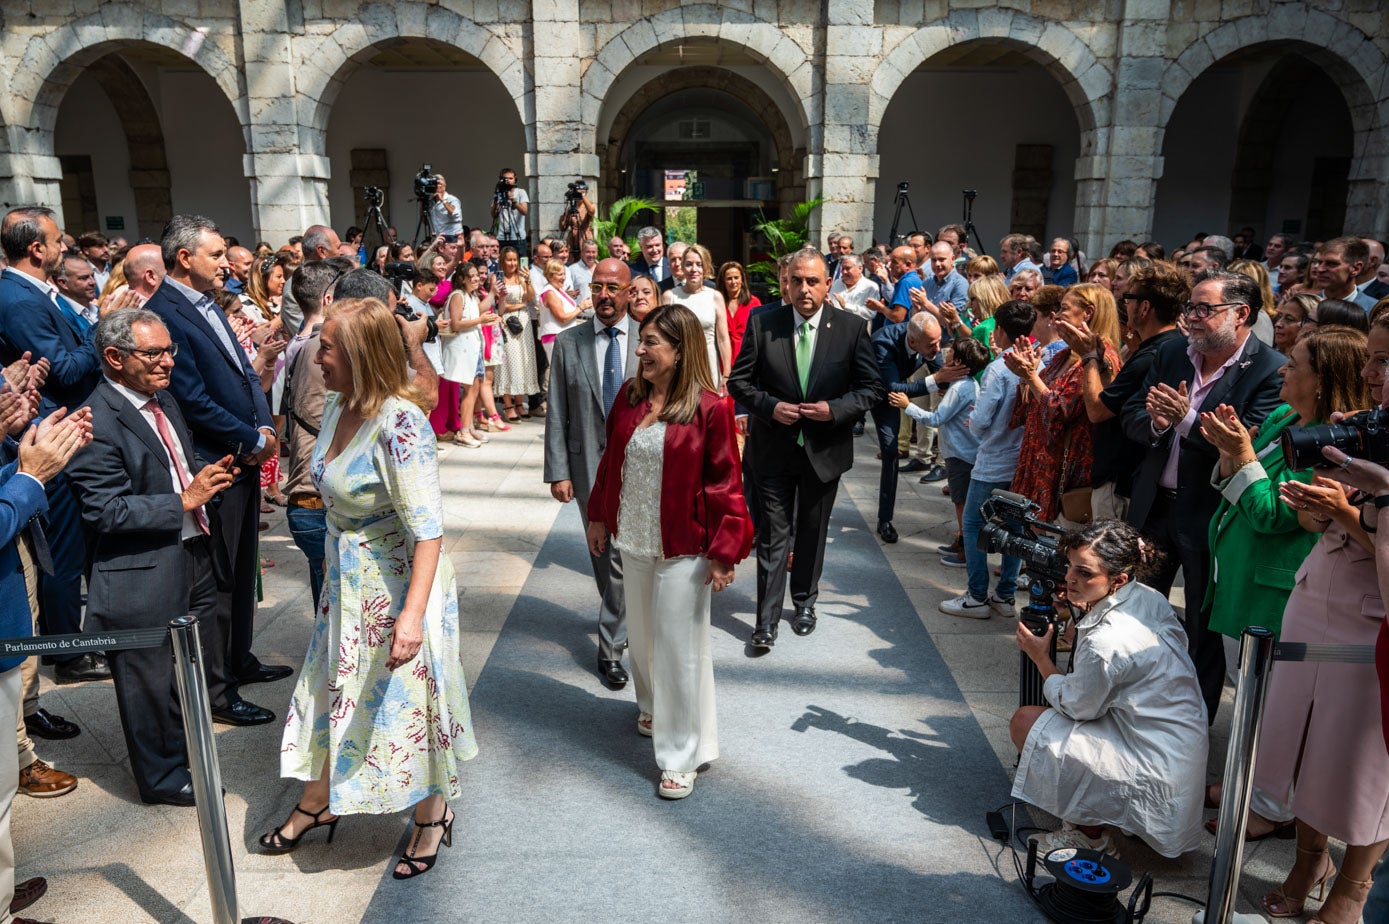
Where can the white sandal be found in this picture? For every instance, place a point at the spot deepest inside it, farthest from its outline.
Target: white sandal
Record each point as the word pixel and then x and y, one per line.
pixel 684 780
pixel 644 724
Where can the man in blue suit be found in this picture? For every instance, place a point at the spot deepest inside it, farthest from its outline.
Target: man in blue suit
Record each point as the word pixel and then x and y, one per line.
pixel 227 414
pixel 31 321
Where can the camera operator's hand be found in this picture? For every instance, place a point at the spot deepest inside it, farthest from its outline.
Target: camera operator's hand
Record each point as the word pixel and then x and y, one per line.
pixel 414 331
pixel 1167 405
pixel 1036 647
pixel 1358 473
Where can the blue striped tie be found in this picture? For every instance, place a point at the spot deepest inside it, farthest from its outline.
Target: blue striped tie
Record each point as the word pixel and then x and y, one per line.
pixel 612 371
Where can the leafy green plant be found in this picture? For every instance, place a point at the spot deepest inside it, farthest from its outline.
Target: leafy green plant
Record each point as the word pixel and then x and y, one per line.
pixel 621 214
pixel 783 235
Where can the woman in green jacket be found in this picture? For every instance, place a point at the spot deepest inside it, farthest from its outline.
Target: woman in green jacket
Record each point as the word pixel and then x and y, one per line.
pixel 1256 541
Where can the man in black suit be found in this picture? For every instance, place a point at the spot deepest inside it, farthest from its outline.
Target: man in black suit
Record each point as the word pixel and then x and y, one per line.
pixel 221 399
pixel 805 373
pixel 653 262
pixel 1173 501
pixel 143 491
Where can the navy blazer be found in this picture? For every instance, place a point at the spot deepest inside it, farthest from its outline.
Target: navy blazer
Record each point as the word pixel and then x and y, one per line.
pixel 21 499
pixel 30 322
pixel 897 362
pixel 219 395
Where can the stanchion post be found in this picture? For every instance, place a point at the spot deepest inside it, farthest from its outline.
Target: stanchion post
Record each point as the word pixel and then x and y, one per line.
pixel 207 773
pixel 1255 662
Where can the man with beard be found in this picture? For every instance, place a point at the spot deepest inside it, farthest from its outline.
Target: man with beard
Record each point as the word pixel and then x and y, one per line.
pixel 589 365
pixel 1173 500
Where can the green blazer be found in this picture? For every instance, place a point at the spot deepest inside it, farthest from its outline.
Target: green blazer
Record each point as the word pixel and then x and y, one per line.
pixel 1256 542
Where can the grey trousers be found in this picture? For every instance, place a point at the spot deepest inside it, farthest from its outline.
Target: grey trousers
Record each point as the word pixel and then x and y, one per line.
pixel 612 606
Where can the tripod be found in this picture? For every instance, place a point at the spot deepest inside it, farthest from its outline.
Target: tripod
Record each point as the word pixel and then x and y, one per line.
pixel 423 222
pixel 901 199
pixel 969 195
pixel 374 220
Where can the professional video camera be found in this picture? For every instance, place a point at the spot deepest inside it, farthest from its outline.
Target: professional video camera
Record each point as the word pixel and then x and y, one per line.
pixel 1014 529
pixel 1364 435
pixel 502 194
pixel 374 197
pixel 426 183
pixel 574 195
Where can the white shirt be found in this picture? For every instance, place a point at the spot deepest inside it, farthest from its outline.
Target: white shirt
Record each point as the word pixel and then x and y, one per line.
pixel 433 351
pixel 511 224
pixel 600 347
pixel 190 524
pixel 856 299
pixel 444 221
pixel 101 275
pixel 581 277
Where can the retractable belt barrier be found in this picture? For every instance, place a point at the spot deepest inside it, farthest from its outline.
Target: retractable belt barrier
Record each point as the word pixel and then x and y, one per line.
pixel 1258 650
pixel 197 728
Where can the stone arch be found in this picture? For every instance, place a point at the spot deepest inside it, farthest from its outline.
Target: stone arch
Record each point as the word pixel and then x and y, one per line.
pixel 381 26
pixel 783 57
pixel 51 61
pixel 1084 79
pixel 144 136
pixel 789 158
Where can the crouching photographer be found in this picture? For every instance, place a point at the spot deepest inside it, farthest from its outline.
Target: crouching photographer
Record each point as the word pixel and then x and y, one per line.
pixel 1123 741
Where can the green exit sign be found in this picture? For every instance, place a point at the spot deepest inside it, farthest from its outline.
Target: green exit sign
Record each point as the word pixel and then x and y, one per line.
pixel 115 222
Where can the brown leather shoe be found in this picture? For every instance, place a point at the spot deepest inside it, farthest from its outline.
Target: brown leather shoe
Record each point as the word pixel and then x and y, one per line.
pixel 28 892
pixel 43 782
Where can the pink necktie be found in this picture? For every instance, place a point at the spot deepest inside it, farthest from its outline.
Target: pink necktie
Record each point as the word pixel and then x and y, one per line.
pixel 161 423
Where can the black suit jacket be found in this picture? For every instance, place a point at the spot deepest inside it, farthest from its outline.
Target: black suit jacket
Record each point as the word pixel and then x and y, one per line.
pixel 133 514
pixel 1250 386
pixel 842 373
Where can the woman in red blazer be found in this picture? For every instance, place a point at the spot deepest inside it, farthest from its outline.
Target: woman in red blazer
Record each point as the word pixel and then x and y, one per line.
pixel 670 494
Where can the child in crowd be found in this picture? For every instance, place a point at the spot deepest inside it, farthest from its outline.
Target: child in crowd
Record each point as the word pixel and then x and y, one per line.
pixel 994 466
pixel 958 444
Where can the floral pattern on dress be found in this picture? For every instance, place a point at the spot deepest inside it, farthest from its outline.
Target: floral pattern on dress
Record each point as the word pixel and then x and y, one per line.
pixel 390 738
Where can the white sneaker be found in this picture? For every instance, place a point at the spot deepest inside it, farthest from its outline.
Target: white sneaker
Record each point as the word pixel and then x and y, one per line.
pixel 967 606
pixel 1071 836
pixel 1002 607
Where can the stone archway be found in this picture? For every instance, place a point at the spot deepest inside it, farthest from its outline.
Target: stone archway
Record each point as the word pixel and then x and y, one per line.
pixel 144 137
pixel 790 187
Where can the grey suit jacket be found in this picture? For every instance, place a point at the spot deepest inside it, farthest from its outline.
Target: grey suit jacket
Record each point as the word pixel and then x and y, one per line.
pixel 575 430
pixel 133 514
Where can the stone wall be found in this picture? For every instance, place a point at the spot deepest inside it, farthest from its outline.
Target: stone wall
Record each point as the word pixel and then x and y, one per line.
pixel 1123 65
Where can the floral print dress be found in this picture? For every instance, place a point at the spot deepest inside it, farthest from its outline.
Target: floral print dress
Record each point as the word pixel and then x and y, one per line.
pixel 391 738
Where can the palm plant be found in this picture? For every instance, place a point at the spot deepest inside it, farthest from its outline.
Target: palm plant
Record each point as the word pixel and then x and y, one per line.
pixel 621 214
pixel 784 235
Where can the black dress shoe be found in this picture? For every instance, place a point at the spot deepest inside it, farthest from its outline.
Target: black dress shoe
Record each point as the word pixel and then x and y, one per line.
pixel 915 465
pixel 180 797
pixel 764 637
pixel 887 531
pixel 803 623
pixel 266 673
pixel 83 668
pixel 933 474
pixel 242 713
pixel 44 724
pixel 612 673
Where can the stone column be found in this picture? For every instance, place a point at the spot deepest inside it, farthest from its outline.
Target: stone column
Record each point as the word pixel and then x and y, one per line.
pixel 289 188
pixel 843 165
pixel 1117 173
pixel 560 157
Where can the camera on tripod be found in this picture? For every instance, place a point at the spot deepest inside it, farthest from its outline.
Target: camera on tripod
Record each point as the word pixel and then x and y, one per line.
pixel 426 183
pixel 374 197
pixel 1364 435
pixel 502 194
pixel 574 195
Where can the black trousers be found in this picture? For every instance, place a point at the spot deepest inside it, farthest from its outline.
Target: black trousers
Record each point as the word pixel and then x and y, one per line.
pixel 60 593
pixel 1189 552
pixel 888 422
pixel 795 516
pixel 147 694
pixel 235 534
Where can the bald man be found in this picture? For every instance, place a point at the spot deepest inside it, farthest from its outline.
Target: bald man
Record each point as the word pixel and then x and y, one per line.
pixel 144 269
pixel 240 259
pixel 589 363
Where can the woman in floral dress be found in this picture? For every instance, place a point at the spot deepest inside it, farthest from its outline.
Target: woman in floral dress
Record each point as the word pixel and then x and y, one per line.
pixel 379 721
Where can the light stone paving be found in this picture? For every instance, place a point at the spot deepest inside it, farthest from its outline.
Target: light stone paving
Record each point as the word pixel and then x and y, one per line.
pixel 110 858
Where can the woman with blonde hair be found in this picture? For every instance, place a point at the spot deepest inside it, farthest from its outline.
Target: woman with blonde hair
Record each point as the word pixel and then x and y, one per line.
pixel 985 295
pixel 981 266
pixel 669 493
pixel 265 286
pixel 1058 438
pixel 558 310
pixel 1102 273
pixel 707 305
pixel 379 721
pixel 1262 322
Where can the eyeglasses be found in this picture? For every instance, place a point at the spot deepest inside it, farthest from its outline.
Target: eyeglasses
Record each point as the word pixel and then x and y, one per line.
pixel 1289 319
pixel 611 288
pixel 154 356
pixel 1201 310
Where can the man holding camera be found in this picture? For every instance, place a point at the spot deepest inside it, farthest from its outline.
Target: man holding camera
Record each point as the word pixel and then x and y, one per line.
pixel 445 212
pixel 510 205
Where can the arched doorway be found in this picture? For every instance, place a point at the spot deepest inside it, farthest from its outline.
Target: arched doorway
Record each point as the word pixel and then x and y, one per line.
pixel 415 102
pixel 697 130
pixel 138 141
pixel 1263 138
pixel 989 115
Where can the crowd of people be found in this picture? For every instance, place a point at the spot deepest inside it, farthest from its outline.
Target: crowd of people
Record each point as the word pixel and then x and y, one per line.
pixel 160 397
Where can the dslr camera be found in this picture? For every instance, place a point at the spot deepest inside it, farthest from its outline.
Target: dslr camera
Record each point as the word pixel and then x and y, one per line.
pixel 1364 435
pixel 426 183
pixel 401 275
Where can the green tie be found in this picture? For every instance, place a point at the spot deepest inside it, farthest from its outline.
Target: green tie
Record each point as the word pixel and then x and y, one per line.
pixel 803 366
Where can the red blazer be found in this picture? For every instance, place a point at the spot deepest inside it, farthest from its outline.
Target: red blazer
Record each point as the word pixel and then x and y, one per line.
pixel 702 506
pixel 738 322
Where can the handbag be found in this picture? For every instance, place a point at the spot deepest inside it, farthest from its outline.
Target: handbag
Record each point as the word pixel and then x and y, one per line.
pixel 1075 503
pixel 514 325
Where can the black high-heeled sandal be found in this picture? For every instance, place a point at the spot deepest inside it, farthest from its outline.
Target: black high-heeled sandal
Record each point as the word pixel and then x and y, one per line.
pixel 275 842
pixel 421 865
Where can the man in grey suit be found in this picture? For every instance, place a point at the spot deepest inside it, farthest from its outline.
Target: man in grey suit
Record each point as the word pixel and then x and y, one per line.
pixel 589 365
